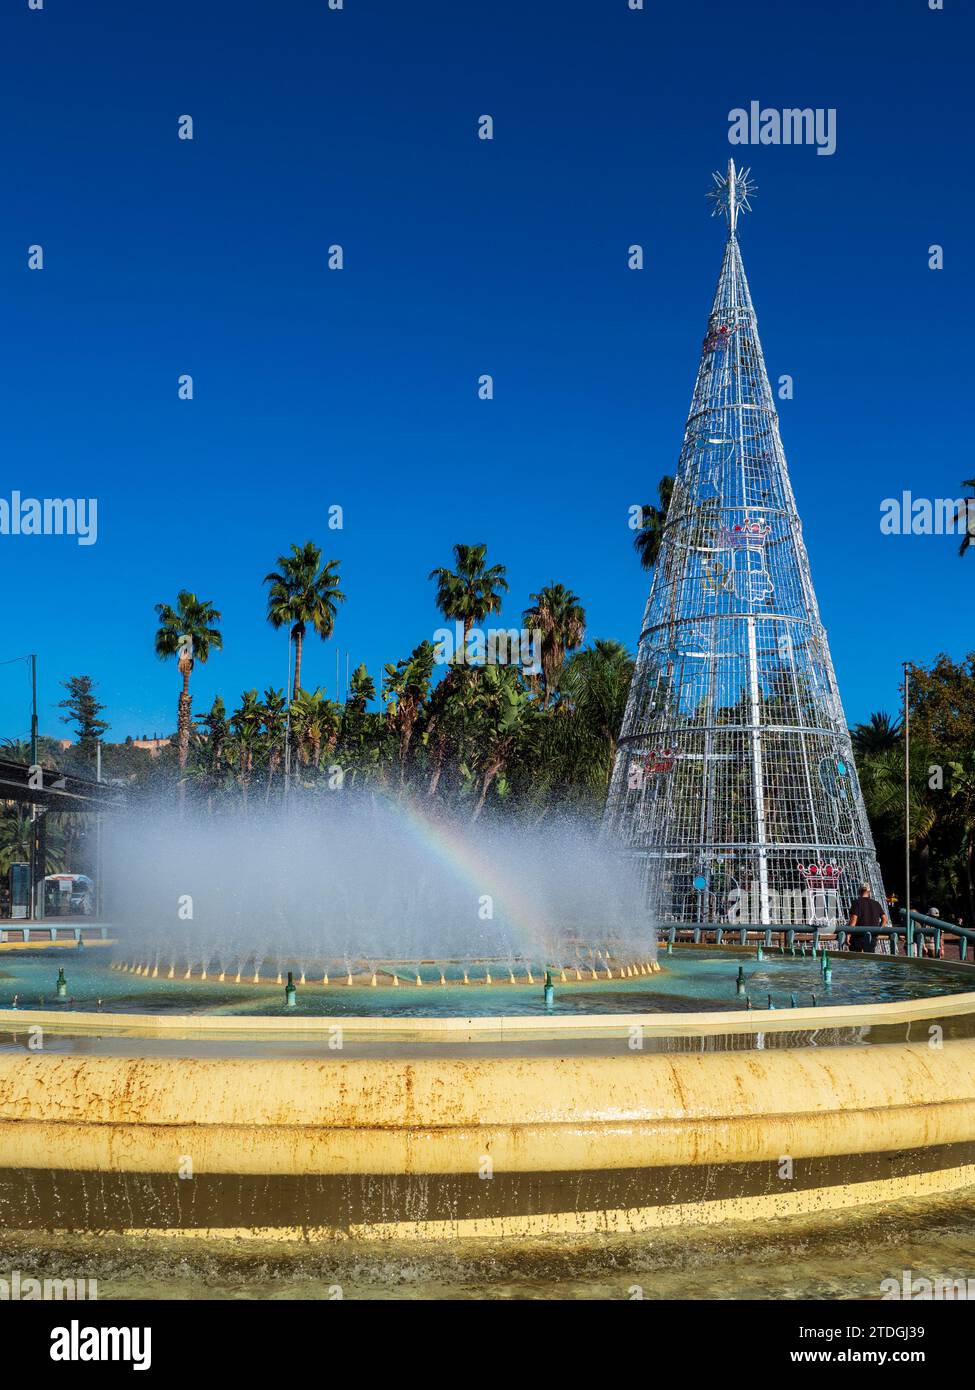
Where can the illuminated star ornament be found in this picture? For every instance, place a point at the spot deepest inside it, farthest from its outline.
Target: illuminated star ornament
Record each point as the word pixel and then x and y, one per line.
pixel 731 193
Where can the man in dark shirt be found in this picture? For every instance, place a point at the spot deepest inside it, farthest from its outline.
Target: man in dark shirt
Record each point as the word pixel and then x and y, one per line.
pixel 865 912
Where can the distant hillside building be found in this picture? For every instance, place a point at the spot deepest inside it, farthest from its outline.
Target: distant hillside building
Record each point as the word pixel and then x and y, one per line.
pixel 153 746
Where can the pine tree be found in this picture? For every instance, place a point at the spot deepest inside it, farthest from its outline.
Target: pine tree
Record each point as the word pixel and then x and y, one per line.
pixel 83 712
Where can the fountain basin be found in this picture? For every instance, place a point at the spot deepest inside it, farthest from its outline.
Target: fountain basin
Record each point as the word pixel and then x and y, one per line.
pixel 310 1128
pixel 692 979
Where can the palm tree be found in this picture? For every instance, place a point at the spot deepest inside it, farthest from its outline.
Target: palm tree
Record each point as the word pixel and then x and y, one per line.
pixel 209 748
pixel 962 804
pixel 967 511
pixel 561 619
pixel 882 783
pixel 245 744
pixel 275 712
pixel 502 707
pixel 359 745
pixel 466 595
pixel 303 591
pixel 15 835
pixel 447 712
pixel 405 688
pixel 362 689
pixel 879 736
pixel 314 725
pixel 596 683
pixel 647 540
pixel 17 831
pixel 188 633
pixel 471 592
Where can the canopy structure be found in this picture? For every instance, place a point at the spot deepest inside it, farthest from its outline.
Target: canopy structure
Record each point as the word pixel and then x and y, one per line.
pixel 56 790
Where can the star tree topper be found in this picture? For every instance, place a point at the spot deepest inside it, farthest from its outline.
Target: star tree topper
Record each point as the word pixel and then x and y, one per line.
pixel 731 193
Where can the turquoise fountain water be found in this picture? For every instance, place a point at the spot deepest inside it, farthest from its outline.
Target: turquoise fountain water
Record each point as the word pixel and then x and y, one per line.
pixel 691 981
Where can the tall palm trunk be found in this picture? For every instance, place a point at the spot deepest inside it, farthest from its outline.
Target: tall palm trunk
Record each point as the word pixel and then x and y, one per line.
pixel 408 717
pixel 298 636
pixel 490 772
pixel 183 720
pixel 550 670
pixel 439 749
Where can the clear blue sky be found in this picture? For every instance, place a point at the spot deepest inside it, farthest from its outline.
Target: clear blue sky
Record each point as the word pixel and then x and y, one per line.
pixel 358 388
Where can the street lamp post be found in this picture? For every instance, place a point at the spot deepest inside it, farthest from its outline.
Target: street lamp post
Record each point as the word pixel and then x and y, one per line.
pixel 907 811
pixel 97 905
pixel 33 710
pixel 35 841
pixel 287 725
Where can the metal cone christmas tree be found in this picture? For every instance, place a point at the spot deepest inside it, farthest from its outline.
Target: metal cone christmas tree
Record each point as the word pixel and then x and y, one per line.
pixel 734 780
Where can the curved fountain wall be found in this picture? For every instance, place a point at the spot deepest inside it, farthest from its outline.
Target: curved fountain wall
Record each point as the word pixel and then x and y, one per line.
pixel 511 1127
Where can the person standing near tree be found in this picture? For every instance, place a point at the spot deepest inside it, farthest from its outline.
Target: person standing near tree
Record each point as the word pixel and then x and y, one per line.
pixel 866 912
pixel 929 941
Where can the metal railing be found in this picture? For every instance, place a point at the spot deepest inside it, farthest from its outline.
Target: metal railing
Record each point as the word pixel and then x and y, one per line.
pixel 740 934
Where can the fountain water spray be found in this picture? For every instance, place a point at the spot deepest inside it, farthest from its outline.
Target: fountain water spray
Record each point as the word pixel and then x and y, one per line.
pixel 356 884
